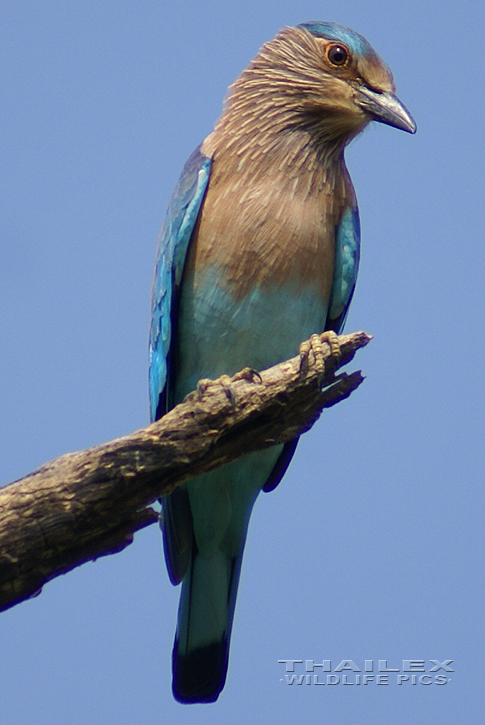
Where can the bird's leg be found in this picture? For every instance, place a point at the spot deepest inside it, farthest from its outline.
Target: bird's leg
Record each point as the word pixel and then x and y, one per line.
pixel 314 347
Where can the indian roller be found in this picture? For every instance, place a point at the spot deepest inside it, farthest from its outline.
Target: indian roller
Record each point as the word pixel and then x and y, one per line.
pixel 259 250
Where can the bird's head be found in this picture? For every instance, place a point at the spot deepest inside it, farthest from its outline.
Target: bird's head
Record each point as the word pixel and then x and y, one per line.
pixel 323 73
pixel 358 83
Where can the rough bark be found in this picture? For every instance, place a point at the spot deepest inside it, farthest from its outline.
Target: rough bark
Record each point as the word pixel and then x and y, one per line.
pixel 88 504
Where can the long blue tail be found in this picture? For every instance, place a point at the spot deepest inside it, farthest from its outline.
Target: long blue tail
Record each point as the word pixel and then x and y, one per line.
pixel 205 531
pixel 206 611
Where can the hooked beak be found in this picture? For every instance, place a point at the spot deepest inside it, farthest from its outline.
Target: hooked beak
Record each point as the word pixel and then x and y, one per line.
pixel 386 108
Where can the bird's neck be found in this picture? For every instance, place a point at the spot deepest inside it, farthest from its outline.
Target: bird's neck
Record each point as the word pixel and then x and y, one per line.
pixel 270 123
pixel 254 139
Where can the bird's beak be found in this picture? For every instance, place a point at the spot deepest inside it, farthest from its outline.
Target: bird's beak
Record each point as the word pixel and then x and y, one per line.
pixel 386 108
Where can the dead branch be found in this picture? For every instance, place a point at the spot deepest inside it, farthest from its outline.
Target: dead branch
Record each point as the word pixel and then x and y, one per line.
pixel 88 504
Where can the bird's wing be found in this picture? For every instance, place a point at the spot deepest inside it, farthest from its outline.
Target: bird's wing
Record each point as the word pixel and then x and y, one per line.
pixel 347 252
pixel 174 242
pixel 347 248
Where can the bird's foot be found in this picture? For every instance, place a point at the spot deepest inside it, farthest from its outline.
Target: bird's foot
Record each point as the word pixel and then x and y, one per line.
pixel 245 374
pixel 248 374
pixel 200 388
pixel 311 352
pixel 225 382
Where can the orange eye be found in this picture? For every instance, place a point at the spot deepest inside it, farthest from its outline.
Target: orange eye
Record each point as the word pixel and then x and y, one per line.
pixel 338 55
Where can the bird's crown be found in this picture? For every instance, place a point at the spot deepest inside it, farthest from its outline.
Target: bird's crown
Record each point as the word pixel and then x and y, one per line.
pixel 340 33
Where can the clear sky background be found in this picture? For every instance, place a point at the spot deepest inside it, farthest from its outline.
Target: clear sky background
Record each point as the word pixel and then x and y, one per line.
pixel 371 547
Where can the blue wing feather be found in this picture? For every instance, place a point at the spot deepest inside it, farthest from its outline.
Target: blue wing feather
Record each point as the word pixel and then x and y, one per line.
pixel 347 253
pixel 174 241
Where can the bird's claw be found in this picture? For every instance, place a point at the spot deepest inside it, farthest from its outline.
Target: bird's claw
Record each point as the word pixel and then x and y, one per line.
pixel 225 382
pixel 314 348
pixel 201 387
pixel 248 374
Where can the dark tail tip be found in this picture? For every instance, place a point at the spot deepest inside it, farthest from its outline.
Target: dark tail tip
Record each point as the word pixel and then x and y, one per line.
pixel 200 675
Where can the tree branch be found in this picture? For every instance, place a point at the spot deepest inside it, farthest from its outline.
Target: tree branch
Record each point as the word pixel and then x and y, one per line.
pixel 88 504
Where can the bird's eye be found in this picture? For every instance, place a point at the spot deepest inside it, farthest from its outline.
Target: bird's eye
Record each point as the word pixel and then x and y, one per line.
pixel 338 55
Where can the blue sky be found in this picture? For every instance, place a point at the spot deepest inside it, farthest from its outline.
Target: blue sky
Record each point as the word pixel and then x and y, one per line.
pixel 371 547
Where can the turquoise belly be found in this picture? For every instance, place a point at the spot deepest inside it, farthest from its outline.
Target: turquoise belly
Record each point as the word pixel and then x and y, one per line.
pixel 219 334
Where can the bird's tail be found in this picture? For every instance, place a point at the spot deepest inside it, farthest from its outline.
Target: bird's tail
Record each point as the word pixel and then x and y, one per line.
pixel 206 610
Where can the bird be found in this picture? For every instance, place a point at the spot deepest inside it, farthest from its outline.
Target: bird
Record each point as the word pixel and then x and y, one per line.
pixel 258 251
